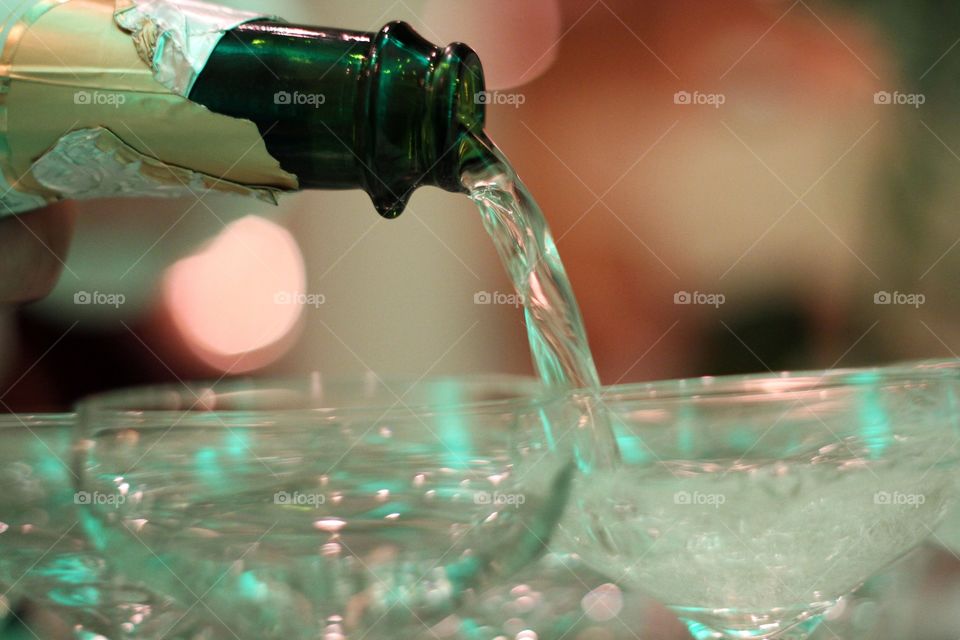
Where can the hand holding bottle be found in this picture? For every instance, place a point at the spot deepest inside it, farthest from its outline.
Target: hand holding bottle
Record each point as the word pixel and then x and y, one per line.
pixel 32 249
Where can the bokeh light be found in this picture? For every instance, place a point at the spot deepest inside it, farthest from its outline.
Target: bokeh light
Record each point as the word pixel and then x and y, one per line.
pixel 235 301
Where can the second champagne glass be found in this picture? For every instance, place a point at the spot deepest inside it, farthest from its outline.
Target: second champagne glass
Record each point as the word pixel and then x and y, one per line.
pixel 365 508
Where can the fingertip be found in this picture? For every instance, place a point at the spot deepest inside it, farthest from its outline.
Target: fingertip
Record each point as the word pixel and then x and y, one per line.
pixel 33 248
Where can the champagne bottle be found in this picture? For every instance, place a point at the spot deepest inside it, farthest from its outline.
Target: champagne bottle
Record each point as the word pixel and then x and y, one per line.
pixel 107 98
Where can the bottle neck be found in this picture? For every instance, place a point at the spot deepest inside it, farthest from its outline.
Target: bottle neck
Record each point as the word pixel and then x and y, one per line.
pixel 385 112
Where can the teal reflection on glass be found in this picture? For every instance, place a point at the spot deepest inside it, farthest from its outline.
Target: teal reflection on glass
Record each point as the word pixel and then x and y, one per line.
pixel 86 596
pixel 53 469
pixel 874 420
pixel 741 439
pixel 463 571
pixel 953 410
pixel 633 450
pixel 50 454
pixel 69 569
pixel 699 631
pixel 549 435
pixel 94 530
pixel 377 486
pixel 209 469
pixel 686 430
pixel 452 430
pixel 470 629
pixel 251 587
pixel 238 444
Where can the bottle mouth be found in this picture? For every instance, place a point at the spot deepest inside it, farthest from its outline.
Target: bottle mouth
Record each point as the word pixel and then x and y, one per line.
pixel 422 104
pixel 469 103
pixel 465 113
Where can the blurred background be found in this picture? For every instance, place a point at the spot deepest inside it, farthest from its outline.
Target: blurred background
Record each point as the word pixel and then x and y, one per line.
pixel 734 186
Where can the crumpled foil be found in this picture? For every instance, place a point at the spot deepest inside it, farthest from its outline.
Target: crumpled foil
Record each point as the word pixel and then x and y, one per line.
pixel 12 13
pixel 176 37
pixel 14 201
pixel 95 163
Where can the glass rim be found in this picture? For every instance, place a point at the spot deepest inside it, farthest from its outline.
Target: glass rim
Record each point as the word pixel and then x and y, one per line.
pixel 781 384
pixel 928 365
pixel 531 395
pixel 36 419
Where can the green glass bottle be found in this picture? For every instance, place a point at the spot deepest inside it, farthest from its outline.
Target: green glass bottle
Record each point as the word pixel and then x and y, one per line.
pixel 174 98
pixel 386 112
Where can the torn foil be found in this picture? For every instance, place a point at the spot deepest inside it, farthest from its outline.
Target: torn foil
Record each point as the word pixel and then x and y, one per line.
pixel 13 14
pixel 14 201
pixel 95 163
pixel 176 37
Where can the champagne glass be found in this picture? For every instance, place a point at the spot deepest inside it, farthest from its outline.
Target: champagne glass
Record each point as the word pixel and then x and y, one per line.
pixel 751 505
pixel 45 559
pixel 361 509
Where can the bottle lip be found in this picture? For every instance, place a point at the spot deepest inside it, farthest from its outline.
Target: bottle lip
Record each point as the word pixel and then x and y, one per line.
pixel 465 109
pixel 449 108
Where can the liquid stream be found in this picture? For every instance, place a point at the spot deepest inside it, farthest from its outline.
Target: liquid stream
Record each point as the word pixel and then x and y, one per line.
pixel 749 553
pixel 558 340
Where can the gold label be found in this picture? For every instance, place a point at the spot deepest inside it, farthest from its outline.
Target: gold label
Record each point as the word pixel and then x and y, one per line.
pixel 73 68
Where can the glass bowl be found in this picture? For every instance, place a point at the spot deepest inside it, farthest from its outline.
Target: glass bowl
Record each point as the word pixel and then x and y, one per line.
pixel 750 505
pixel 53 584
pixel 306 508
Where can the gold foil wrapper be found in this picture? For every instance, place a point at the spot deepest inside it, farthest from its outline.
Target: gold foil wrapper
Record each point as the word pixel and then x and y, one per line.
pixel 68 67
pixel 94 163
pixel 176 37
